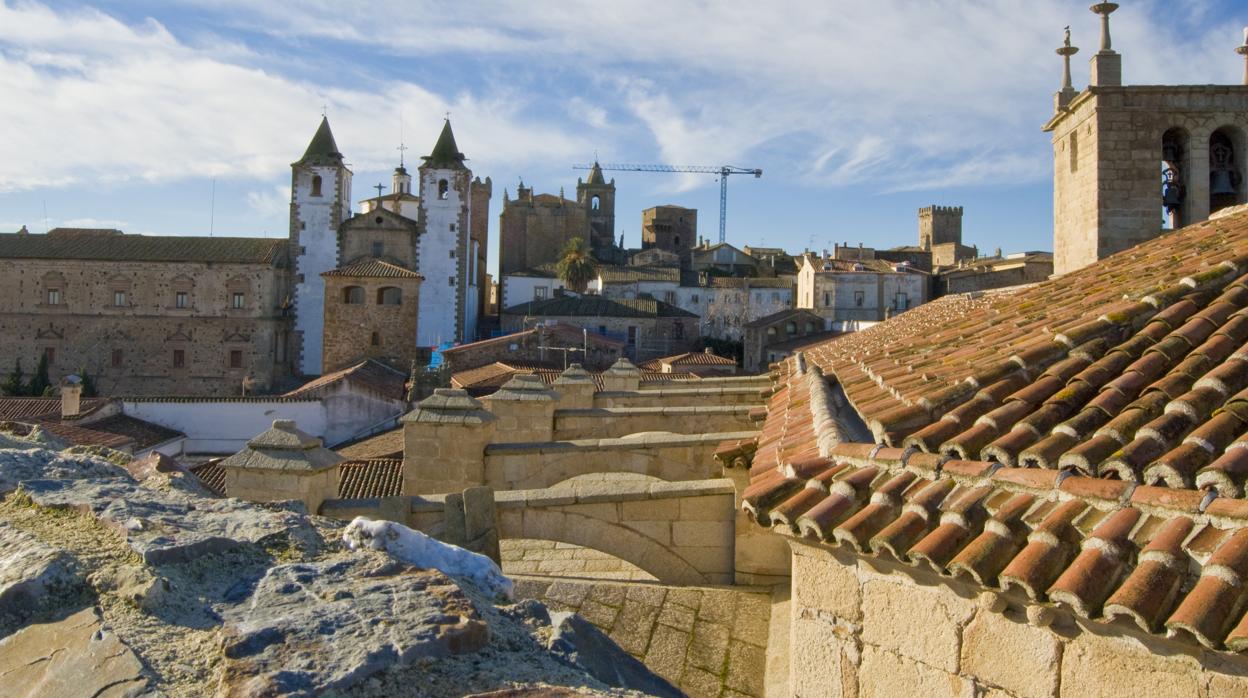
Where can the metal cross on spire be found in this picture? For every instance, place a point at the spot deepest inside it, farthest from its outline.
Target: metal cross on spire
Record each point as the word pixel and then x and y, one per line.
pixel 324 110
pixel 379 187
pixel 401 148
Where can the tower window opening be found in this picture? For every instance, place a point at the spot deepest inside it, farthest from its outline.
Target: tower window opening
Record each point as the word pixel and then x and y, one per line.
pixel 1225 177
pixel 595 203
pixel 390 295
pixel 316 185
pixel 1174 167
pixel 353 295
pixel 444 189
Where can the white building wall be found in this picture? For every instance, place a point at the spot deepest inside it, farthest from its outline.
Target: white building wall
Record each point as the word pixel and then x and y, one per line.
pixel 316 219
pixel 225 426
pixel 441 288
pixel 522 289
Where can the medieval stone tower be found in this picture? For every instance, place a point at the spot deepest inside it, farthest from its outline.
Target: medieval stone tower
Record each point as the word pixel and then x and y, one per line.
pixel 1131 161
pixel 939 225
pixel 447 257
pixel 597 196
pixel 320 200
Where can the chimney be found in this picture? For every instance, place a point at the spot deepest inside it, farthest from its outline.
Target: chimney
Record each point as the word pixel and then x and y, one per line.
pixel 71 396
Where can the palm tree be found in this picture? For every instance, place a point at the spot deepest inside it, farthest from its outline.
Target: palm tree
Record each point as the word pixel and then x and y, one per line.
pixel 576 267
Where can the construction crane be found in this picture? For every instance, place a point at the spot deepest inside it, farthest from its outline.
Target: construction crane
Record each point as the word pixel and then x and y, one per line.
pixel 723 171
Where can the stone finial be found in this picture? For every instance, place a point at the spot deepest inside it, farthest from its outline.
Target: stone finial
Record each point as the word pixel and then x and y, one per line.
pixel 574 374
pixel 525 386
pixel 1243 51
pixel 449 406
pixel 623 367
pixel 1105 9
pixel 1067 93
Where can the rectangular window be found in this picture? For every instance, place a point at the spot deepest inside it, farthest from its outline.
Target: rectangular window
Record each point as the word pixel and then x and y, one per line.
pixel 450 281
pixel 54 296
pixel 859 298
pixel 775 297
pixel 236 358
pixel 379 249
pixel 670 297
pixel 50 352
pixel 119 298
pixel 602 330
pixel 237 300
pixel 117 358
pixel 452 254
pixel 694 298
pixel 539 293
pixel 452 227
pixel 179 358
pixel 827 299
pixel 678 331
pixel 902 301
pixel 180 299
pixel 632 335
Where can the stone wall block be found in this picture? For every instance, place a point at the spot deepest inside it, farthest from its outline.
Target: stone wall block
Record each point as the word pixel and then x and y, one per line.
pixel 913 621
pixel 1022 659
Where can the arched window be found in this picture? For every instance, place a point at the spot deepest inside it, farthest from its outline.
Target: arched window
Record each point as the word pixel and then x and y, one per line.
pixel 810 327
pixel 595 203
pixel 316 185
pixel 790 327
pixel 389 295
pixel 353 295
pixel 375 340
pixel 676 241
pixel 1175 146
pixel 1226 179
pixel 771 332
pixel 444 189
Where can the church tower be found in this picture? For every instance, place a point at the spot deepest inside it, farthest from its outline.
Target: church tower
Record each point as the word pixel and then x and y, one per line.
pixel 320 200
pixel 446 257
pixel 598 198
pixel 1130 161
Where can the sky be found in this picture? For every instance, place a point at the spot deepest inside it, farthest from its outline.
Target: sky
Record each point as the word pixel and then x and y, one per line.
pixel 181 117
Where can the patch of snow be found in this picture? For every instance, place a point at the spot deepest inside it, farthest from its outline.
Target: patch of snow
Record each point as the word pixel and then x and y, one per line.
pixel 416 548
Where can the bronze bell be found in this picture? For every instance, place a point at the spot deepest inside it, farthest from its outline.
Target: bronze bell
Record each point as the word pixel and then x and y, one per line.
pixel 1222 182
pixel 1171 190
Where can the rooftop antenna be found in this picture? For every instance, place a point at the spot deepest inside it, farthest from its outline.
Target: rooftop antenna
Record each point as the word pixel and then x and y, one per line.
pixel 46 227
pixel 212 209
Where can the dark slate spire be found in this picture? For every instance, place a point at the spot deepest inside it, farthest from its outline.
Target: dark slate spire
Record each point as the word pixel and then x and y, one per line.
pixel 445 153
pixel 595 174
pixel 322 150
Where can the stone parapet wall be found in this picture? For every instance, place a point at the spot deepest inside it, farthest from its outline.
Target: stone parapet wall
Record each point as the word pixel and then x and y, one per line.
pixel 622 421
pixel 873 628
pixel 671 457
pixel 759 382
pixel 682 397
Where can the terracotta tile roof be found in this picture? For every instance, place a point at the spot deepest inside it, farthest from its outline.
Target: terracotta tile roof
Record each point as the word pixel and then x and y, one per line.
pixel 691 358
pixel 85 436
pixel 596 306
pixel 1169 561
pixel 20 408
pixel 632 275
pixel 750 282
pixel 211 475
pixel 144 248
pixel 805 342
pixel 387 444
pixel 486 379
pixel 373 268
pixel 144 434
pixel 782 315
pixel 554 328
pixel 369 373
pixel 371 478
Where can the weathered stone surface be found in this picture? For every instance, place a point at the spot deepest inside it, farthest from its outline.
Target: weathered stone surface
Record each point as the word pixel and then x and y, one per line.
pixel 166 525
pixel 320 626
pixel 824 584
pixel 134 584
pixel 76 656
pixel 1013 655
pixel 30 573
pixel 585 646
pixel 821 663
pixel 917 622
pixel 1096 665
pixel 37 463
pixel 886 675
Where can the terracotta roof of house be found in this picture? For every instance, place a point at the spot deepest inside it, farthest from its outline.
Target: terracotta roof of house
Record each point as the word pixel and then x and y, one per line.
pixel 387 444
pixel 804 342
pixel 550 328
pixel 24 408
pixel 596 306
pixel 211 475
pixel 144 248
pixel 632 275
pixel 369 373
pixel 363 479
pixel 693 358
pixel 780 316
pixel 374 268
pixel 749 282
pixel 1083 441
pixel 489 378
pixel 85 436
pixel 144 434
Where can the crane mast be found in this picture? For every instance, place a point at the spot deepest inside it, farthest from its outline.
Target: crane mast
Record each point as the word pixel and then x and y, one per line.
pixel 722 170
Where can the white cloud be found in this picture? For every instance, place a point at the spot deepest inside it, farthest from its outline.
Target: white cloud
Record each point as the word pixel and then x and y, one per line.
pixel 91 223
pixel 270 202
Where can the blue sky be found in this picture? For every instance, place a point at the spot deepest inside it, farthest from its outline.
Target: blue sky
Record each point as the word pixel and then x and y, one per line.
pixel 123 114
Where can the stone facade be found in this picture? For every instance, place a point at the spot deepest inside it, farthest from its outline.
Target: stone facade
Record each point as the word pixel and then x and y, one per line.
pixel 670 228
pixel 874 628
pixel 1110 144
pixel 370 313
pixel 858 293
pixel 646 337
pixel 776 328
pixel 534 228
pixel 139 324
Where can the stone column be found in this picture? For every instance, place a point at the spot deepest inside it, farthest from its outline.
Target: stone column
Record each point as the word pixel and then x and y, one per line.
pixel 1106 63
pixel 525 409
pixel 1067 93
pixel 576 388
pixel 1196 179
pixel 623 376
pixel 444 442
pixel 282 464
pixel 1243 51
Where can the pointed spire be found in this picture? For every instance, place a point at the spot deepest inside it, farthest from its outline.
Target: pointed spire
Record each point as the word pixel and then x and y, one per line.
pixel 595 174
pixel 445 153
pixel 323 150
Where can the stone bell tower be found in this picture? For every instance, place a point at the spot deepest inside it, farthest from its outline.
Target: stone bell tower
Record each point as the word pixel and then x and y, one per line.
pixel 1130 161
pixel 598 197
pixel 447 254
pixel 320 200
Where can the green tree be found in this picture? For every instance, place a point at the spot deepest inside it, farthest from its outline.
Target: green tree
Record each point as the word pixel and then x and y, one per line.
pixel 88 383
pixel 39 383
pixel 576 267
pixel 12 384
